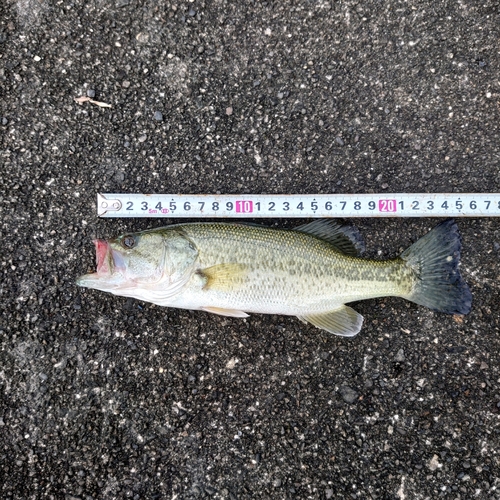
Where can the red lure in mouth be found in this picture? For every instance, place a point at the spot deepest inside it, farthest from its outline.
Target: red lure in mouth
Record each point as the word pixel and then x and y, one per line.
pixel 101 251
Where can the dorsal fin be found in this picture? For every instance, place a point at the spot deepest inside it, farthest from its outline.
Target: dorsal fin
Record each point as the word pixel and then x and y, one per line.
pixel 347 239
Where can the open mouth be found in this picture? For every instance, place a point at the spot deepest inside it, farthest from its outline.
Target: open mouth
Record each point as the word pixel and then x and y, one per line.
pixel 110 270
pixel 101 252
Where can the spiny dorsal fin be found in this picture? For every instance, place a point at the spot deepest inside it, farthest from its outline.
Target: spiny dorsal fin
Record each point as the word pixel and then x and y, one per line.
pixel 347 239
pixel 344 321
pixel 224 277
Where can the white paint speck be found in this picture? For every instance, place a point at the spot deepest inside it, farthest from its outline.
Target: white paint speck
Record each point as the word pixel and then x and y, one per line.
pixel 434 463
pixel 232 363
pixel 401 491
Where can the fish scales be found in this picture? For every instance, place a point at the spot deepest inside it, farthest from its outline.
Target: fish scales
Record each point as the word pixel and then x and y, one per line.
pixel 290 271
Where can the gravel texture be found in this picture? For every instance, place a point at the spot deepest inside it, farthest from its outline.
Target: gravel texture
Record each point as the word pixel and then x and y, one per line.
pixel 103 397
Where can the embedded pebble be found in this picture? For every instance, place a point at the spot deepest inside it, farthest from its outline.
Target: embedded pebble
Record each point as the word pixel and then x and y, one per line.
pixel 348 394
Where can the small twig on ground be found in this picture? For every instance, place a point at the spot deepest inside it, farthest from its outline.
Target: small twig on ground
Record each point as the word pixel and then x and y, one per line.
pixel 84 98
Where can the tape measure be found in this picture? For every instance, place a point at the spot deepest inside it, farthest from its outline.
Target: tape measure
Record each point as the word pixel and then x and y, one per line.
pixel 298 205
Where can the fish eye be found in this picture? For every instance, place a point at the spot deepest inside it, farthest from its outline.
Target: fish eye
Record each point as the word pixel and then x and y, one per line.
pixel 128 242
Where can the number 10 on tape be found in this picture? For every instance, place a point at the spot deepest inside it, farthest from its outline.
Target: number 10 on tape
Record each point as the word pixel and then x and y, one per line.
pixel 244 206
pixel 304 206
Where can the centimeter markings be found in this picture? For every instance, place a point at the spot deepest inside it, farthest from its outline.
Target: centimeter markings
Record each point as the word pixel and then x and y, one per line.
pixel 299 205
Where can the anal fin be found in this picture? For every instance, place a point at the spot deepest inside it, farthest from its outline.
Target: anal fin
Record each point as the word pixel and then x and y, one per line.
pixel 221 311
pixel 344 321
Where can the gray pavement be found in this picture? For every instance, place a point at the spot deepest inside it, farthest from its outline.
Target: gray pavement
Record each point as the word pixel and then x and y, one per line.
pixel 104 397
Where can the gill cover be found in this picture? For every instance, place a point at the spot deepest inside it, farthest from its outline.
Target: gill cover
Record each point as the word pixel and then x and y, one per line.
pixel 179 262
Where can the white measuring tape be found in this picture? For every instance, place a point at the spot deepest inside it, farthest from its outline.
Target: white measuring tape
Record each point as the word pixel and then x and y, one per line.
pixel 298 205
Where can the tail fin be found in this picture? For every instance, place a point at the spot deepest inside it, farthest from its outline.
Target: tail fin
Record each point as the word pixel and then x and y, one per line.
pixel 435 259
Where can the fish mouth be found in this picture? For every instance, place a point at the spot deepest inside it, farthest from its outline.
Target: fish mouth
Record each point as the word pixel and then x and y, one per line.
pixel 101 254
pixel 108 262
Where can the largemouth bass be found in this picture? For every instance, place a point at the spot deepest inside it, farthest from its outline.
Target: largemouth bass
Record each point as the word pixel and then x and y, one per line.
pixel 311 271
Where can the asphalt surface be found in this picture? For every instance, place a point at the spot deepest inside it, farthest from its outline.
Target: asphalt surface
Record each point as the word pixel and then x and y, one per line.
pixel 103 397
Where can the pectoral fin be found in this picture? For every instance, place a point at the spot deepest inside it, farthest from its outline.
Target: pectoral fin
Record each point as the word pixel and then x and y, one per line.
pixel 224 277
pixel 225 312
pixel 343 321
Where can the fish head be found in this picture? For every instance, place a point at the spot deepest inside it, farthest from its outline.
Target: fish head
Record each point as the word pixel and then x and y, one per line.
pixel 142 265
pixel 131 260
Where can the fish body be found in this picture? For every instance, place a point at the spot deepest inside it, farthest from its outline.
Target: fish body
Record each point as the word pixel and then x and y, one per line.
pixel 310 272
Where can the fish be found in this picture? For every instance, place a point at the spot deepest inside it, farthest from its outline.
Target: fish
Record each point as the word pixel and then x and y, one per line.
pixel 311 271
